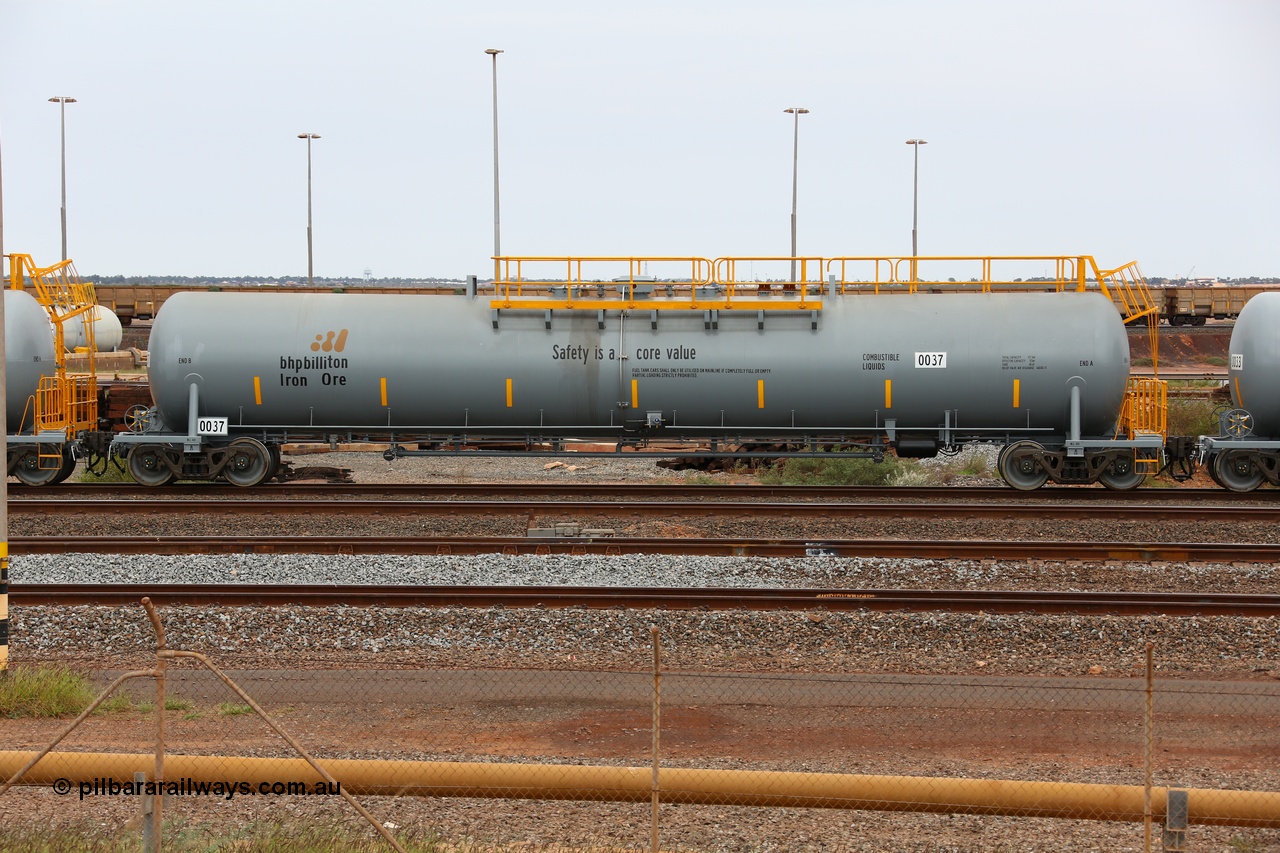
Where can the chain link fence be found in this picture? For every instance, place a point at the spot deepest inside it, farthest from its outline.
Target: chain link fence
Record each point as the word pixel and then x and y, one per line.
pixel 650 757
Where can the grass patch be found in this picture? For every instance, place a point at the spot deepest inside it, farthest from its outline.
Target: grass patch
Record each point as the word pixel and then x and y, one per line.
pixel 294 837
pixel 111 473
pixel 123 703
pixel 1191 416
pixel 838 470
pixel 45 691
pixel 233 709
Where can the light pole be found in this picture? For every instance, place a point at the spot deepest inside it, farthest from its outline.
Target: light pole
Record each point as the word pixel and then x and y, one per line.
pixel 915 202
pixel 62 101
pixel 795 175
pixel 497 231
pixel 310 268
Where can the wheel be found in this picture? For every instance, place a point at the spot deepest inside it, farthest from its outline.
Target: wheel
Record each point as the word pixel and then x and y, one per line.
pixel 149 467
pixel 1198 320
pixel 1236 471
pixel 68 465
pixel 1122 474
pixel 1020 468
pixel 29 471
pixel 248 462
pixel 137 418
pixel 1211 465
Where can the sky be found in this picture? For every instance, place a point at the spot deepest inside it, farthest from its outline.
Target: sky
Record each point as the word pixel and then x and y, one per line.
pixel 1123 129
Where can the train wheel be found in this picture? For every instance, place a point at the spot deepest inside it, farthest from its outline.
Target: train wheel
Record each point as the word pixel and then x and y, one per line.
pixel 248 462
pixel 1234 470
pixel 1198 320
pixel 28 470
pixel 1020 468
pixel 148 467
pixel 1122 474
pixel 1211 465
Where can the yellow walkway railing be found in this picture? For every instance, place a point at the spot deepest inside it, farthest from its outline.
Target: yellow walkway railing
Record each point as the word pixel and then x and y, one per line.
pixel 734 283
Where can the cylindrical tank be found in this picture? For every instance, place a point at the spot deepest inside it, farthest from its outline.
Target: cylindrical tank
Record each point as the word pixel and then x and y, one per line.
pixel 28 352
pixel 448 363
pixel 1254 373
pixel 107 331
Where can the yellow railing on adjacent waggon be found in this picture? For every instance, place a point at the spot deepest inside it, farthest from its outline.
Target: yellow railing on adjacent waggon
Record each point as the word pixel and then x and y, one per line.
pixel 62 401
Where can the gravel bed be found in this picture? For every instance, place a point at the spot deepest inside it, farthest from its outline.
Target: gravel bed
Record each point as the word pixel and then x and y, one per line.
pixel 858 641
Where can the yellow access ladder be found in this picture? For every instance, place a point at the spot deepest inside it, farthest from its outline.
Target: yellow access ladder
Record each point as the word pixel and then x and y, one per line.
pixel 63 402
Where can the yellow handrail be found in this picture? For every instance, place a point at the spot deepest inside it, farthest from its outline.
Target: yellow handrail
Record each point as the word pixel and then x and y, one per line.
pixel 720 284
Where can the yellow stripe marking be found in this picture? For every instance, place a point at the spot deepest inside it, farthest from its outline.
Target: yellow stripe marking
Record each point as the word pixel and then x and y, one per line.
pixel 888 393
pixel 635 393
pixel 759 393
pixel 257 390
pixel 1017 388
pixel 508 393
pixel 1239 397
pixel 382 383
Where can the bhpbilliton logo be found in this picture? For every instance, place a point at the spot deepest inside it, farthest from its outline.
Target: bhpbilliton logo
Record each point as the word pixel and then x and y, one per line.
pixel 330 342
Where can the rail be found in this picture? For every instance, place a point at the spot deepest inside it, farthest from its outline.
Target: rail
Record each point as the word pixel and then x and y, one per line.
pixel 1176 604
pixel 609 545
pixel 675 505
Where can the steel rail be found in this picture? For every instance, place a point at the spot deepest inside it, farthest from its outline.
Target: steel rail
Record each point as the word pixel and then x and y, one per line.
pixel 634 491
pixel 664 508
pixel 1212 552
pixel 666 598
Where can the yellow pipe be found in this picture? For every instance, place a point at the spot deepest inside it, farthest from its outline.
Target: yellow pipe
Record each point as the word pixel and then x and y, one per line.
pixel 678 785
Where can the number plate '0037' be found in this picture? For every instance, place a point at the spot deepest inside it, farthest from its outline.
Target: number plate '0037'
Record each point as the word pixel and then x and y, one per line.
pixel 931 359
pixel 211 426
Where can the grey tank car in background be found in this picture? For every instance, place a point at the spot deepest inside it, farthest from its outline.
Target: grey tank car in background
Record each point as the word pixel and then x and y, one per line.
pixel 1246 452
pixel 28 353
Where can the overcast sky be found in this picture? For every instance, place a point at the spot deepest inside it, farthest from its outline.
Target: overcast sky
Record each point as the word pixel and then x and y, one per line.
pixel 1126 129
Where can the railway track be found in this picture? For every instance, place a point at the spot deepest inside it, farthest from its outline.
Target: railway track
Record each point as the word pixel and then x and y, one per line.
pixel 635 491
pixel 1205 552
pixel 666 598
pixel 516 506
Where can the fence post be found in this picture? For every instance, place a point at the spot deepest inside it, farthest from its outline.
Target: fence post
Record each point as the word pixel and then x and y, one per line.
pixel 657 714
pixel 1148 738
pixel 144 809
pixel 157 804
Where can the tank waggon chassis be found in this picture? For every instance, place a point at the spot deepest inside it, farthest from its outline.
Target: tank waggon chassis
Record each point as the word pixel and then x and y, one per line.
pixel 862 355
pixel 1246 451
